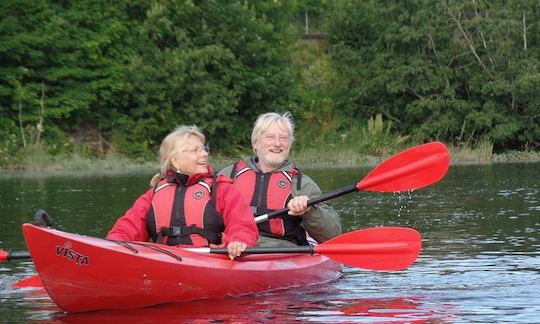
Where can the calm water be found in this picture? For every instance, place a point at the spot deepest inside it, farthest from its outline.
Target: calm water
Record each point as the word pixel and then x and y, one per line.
pixel 480 261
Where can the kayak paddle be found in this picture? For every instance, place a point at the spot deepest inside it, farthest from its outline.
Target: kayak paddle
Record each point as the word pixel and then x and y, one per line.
pixel 378 248
pixel 29 282
pixel 13 255
pixel 414 168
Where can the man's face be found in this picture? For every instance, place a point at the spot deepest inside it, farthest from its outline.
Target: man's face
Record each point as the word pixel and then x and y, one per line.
pixel 272 147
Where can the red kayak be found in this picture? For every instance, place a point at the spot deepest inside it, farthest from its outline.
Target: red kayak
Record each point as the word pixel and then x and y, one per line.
pixel 83 273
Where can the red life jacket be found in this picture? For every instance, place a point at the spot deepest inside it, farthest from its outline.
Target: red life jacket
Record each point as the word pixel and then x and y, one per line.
pixel 182 214
pixel 267 192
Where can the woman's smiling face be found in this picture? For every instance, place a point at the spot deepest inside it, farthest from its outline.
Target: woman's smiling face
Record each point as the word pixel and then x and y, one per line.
pixel 192 158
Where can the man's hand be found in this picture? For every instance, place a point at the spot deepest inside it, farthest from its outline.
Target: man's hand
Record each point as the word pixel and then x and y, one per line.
pixel 298 206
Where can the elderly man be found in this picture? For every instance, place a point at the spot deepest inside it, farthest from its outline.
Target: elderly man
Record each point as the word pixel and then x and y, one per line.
pixel 268 181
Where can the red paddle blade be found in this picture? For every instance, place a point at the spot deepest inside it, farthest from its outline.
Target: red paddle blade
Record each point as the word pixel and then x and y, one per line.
pixel 414 168
pixel 379 248
pixel 3 255
pixel 29 282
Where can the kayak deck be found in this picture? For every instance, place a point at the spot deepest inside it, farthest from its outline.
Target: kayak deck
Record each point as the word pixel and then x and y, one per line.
pixel 83 273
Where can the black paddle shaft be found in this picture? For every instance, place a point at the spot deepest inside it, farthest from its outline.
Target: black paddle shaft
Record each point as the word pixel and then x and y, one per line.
pixel 266 250
pixel 17 255
pixel 313 201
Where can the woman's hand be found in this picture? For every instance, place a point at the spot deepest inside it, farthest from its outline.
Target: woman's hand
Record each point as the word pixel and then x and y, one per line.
pixel 298 206
pixel 235 249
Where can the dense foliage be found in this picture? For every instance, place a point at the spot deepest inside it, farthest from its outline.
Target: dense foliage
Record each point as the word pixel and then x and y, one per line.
pixel 458 71
pixel 116 76
pixel 133 70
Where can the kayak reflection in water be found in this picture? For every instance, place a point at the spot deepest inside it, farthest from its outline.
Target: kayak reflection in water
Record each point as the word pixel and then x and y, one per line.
pixel 270 182
pixel 187 204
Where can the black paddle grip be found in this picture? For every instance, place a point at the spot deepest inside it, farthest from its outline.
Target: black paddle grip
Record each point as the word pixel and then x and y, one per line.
pixel 316 200
pixel 17 255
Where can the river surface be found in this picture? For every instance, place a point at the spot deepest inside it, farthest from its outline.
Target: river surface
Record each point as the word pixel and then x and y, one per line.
pixel 480 261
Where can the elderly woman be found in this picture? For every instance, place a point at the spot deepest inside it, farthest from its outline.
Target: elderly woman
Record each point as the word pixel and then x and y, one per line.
pixel 188 205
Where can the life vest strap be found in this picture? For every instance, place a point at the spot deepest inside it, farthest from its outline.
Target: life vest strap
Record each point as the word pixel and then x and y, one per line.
pixel 177 231
pixel 181 231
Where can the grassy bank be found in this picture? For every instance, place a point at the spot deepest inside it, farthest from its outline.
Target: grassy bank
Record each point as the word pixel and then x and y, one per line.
pixel 38 161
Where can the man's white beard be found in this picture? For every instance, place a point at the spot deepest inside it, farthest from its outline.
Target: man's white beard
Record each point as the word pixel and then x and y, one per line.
pixel 273 161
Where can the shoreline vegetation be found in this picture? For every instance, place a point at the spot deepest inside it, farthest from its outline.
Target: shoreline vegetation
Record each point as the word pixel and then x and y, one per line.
pixel 363 82
pixel 38 162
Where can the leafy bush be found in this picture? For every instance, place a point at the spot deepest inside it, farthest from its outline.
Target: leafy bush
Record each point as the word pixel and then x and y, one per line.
pixel 378 139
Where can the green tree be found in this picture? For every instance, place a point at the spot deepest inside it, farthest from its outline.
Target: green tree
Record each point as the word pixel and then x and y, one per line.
pixel 216 64
pixel 132 70
pixel 23 49
pixel 67 57
pixel 452 70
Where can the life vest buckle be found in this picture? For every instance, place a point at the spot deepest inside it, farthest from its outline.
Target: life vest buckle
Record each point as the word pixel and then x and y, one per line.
pixel 175 231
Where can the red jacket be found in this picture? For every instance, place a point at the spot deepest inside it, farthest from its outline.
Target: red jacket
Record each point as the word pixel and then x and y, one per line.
pixel 237 216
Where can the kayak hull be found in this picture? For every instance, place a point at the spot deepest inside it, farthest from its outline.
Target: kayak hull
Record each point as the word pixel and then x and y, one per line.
pixel 82 273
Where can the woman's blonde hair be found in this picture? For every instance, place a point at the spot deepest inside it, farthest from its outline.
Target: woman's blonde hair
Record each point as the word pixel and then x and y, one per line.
pixel 266 120
pixel 171 145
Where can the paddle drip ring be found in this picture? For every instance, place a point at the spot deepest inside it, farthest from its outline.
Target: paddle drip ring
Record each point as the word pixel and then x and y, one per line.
pixel 42 216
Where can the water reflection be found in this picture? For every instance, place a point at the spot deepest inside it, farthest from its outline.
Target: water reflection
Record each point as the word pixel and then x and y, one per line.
pixel 276 308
